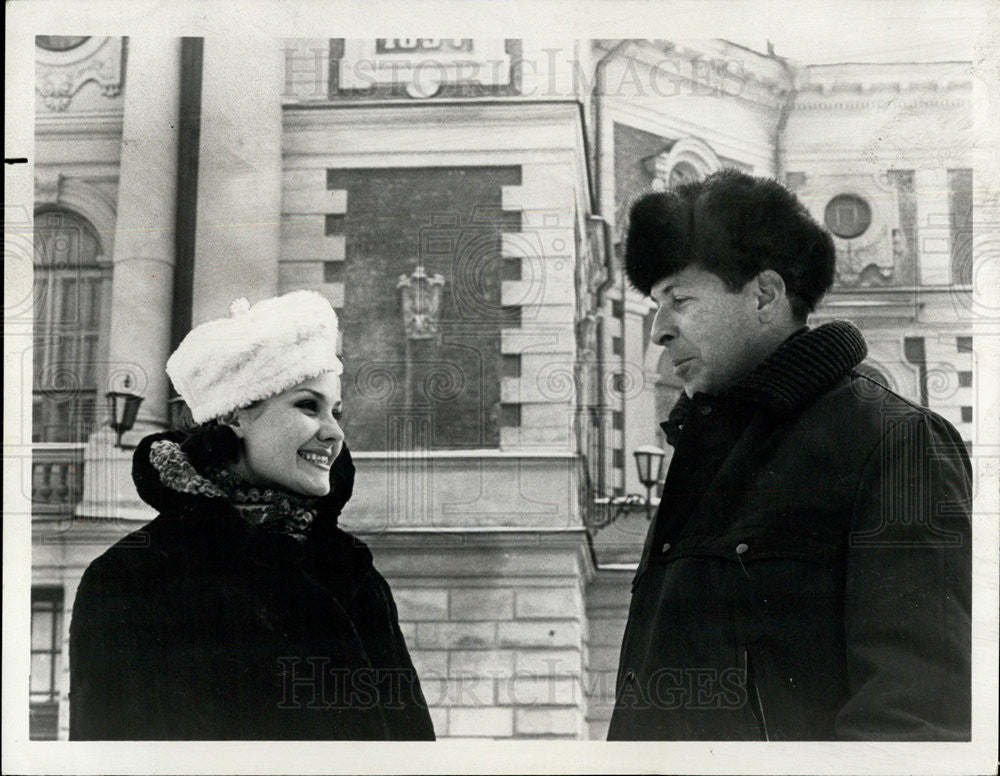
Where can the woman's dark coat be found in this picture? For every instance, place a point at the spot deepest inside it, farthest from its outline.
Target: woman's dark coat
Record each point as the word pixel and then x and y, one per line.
pixel 808 574
pixel 201 626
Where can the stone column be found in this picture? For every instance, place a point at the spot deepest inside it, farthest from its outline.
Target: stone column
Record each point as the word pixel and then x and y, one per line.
pixel 239 174
pixel 142 280
pixel 142 274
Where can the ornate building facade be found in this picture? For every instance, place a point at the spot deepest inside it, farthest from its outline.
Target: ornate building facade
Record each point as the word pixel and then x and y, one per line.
pixel 461 203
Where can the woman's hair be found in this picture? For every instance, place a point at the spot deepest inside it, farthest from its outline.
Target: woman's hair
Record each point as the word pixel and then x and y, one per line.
pixel 214 444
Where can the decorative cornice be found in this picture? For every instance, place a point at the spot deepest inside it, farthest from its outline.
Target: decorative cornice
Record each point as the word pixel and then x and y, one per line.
pixel 833 103
pixel 765 70
pixel 864 86
pixel 79 125
pixel 894 77
pixel 717 67
pixel 767 79
pixel 458 111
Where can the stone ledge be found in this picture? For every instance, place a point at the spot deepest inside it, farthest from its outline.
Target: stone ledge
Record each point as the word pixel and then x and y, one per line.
pixel 519 491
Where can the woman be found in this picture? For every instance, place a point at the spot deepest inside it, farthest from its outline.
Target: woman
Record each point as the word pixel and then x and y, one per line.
pixel 242 611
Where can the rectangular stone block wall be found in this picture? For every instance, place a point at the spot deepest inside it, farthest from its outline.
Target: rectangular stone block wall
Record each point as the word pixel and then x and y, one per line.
pixel 351 234
pixel 950 374
pixel 496 627
pixel 608 596
pixel 538 395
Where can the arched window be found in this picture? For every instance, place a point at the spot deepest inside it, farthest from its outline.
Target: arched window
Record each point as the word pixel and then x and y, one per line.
pixel 70 285
pixel 685 161
pixel 683 172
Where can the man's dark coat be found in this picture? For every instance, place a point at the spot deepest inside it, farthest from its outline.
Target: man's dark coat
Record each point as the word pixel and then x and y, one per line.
pixel 808 572
pixel 202 626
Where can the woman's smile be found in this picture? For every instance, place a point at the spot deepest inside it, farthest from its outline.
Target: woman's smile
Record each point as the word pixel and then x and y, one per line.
pixel 323 460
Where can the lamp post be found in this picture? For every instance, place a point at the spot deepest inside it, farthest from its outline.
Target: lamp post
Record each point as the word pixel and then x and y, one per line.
pixel 649 463
pixel 124 408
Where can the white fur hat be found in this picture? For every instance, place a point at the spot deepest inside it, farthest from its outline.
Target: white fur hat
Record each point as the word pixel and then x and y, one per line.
pixel 255 353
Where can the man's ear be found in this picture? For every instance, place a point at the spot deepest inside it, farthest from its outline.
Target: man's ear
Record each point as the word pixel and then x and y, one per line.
pixel 771 294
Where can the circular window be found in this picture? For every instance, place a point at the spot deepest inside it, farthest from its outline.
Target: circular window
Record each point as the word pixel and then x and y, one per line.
pixel 847 216
pixel 59 42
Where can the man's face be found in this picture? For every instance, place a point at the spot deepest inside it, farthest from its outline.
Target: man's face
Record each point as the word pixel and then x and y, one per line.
pixel 712 334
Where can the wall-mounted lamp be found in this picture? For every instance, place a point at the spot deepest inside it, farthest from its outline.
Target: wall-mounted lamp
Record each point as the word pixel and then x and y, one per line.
pixel 605 510
pixel 649 463
pixel 124 408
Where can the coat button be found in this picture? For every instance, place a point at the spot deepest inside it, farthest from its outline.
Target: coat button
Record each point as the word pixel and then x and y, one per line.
pixel 706 410
pixel 665 547
pixel 741 548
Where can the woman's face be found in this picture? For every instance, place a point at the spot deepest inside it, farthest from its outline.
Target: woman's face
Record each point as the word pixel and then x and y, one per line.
pixel 291 440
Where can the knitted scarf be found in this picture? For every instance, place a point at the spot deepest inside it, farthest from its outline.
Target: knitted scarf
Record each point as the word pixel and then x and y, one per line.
pixel 272 509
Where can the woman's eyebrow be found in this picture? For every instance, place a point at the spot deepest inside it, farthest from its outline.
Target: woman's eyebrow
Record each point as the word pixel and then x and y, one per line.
pixel 319 396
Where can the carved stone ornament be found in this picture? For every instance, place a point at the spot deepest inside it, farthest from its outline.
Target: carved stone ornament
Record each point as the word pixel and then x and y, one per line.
pixel 871 247
pixel 421 298
pixel 48 186
pixel 60 74
pixel 867 263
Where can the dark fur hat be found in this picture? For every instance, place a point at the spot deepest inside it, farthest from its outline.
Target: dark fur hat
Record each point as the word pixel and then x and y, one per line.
pixel 733 225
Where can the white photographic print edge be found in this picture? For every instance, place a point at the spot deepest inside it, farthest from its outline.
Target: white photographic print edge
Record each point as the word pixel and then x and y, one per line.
pixel 823 34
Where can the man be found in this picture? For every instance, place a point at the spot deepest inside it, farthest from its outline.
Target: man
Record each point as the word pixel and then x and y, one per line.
pixel 808 572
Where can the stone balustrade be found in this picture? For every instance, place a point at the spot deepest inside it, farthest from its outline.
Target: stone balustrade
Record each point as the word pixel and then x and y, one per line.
pixel 56 478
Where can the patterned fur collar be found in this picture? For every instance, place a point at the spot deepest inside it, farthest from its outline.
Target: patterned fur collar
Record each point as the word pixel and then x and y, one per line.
pixel 177 472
